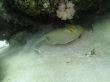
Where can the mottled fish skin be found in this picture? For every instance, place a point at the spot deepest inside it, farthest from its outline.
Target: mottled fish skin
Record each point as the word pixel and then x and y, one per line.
pixel 61 36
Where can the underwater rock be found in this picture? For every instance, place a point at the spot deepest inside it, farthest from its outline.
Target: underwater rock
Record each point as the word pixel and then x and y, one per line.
pixel 19 39
pixel 28 6
pixel 88 4
pixel 35 7
pixel 3 12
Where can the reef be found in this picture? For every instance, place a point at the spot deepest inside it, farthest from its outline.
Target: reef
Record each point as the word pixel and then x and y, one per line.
pixel 28 15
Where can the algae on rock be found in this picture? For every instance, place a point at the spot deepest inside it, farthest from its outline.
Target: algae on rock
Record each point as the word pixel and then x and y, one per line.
pixel 35 7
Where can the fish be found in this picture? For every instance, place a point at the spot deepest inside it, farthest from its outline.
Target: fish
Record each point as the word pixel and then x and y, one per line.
pixel 61 36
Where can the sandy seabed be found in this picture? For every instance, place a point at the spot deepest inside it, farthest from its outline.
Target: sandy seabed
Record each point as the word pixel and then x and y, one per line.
pixel 73 62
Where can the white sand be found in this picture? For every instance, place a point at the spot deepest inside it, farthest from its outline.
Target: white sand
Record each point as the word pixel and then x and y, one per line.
pixel 67 63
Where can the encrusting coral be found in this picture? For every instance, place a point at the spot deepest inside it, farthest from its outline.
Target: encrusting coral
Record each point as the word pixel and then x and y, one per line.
pixel 66 10
pixel 63 9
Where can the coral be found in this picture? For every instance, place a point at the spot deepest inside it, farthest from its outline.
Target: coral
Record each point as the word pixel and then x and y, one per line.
pixel 63 9
pixel 28 6
pixel 66 10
